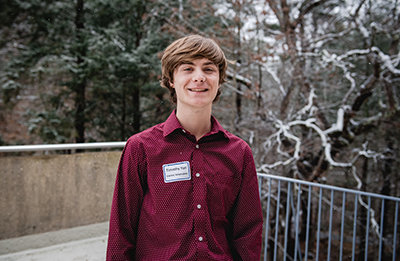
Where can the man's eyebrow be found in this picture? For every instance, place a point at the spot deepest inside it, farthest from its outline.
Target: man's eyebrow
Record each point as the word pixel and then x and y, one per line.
pixel 209 63
pixel 187 63
pixel 204 64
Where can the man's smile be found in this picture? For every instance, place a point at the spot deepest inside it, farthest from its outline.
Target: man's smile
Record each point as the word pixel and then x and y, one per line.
pixel 198 90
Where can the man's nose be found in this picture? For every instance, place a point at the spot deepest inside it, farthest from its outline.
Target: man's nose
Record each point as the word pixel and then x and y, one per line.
pixel 198 76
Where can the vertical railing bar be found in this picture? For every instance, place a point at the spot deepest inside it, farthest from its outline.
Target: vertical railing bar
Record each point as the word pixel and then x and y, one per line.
pixel 381 229
pixel 319 222
pixel 354 228
pixel 260 180
pixel 289 192
pixel 297 244
pixel 395 230
pixel 330 226
pixel 267 221
pixel 342 226
pixel 277 220
pixel 367 229
pixel 308 221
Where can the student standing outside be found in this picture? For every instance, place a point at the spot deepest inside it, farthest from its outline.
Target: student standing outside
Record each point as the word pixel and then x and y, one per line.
pixel 186 189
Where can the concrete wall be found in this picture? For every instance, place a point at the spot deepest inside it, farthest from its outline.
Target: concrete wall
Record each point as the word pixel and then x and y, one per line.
pixel 46 193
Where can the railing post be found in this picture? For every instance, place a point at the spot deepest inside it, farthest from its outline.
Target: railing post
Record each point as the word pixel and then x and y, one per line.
pixel 381 228
pixel 267 221
pixel 395 230
pixel 308 221
pixel 354 228
pixel 342 225
pixel 289 192
pixel 277 219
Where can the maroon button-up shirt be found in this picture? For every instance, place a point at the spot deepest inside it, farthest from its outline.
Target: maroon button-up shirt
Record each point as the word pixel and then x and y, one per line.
pixel 177 198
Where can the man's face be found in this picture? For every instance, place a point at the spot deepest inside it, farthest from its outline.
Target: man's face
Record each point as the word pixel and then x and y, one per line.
pixel 196 83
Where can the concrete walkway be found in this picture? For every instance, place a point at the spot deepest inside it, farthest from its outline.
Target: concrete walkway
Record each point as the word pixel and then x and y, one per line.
pixel 86 243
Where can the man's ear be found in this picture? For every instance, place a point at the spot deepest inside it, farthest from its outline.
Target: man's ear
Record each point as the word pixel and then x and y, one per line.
pixel 171 84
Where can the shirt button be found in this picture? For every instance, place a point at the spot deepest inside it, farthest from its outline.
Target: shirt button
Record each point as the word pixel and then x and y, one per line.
pixel 197 174
pixel 200 239
pixel 197 146
pixel 199 206
pixel 183 131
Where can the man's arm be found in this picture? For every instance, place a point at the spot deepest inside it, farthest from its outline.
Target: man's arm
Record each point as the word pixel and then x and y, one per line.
pixel 126 204
pixel 247 216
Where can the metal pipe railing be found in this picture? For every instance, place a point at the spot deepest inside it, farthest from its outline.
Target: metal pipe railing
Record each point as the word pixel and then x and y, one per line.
pixel 327 187
pixel 339 225
pixel 70 146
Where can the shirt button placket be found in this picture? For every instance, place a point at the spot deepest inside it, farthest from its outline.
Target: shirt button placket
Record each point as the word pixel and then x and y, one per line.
pixel 199 200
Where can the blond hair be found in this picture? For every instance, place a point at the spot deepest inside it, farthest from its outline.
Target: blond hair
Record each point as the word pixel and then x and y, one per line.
pixel 187 49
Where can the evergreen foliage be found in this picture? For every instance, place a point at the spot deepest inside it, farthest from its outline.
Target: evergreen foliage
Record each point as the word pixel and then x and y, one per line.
pixel 97 55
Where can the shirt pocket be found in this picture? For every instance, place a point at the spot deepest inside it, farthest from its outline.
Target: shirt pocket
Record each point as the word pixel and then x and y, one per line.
pixel 222 191
pixel 223 178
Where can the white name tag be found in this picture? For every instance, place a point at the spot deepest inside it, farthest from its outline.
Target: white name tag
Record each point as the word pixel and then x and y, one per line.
pixel 176 171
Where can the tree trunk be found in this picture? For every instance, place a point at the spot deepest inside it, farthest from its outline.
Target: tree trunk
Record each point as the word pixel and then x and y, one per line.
pixel 123 115
pixel 136 109
pixel 79 79
pixel 238 105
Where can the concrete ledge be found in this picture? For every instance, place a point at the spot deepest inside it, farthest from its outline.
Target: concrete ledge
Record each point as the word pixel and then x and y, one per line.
pixel 40 194
pixel 66 238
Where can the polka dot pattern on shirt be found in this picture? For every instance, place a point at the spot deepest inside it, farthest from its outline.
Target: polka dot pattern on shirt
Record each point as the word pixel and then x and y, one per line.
pixel 201 218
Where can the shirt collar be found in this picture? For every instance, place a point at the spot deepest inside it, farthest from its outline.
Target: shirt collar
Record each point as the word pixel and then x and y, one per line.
pixel 172 124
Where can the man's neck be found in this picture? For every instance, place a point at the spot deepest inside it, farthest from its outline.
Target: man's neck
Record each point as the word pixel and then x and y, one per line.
pixel 196 121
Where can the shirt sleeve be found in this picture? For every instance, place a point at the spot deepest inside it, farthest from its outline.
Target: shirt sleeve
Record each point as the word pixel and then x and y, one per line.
pixel 247 218
pixel 126 203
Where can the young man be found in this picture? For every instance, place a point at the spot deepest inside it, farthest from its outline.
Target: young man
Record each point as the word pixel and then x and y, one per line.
pixel 186 189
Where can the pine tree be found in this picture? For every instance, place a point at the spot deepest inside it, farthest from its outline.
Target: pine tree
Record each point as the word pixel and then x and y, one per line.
pixel 97 56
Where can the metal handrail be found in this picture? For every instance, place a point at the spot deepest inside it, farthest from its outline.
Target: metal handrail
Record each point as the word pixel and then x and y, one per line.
pixel 67 146
pixel 328 187
pixel 293 207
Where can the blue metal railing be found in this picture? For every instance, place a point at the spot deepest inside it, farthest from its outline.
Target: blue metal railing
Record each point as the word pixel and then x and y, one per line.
pixel 311 221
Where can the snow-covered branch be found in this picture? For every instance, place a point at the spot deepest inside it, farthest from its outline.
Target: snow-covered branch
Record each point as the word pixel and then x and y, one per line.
pixel 386 60
pixel 239 78
pixel 284 130
pixel 338 126
pixel 230 87
pixel 322 40
pixel 276 79
pixel 352 88
pixel 309 107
